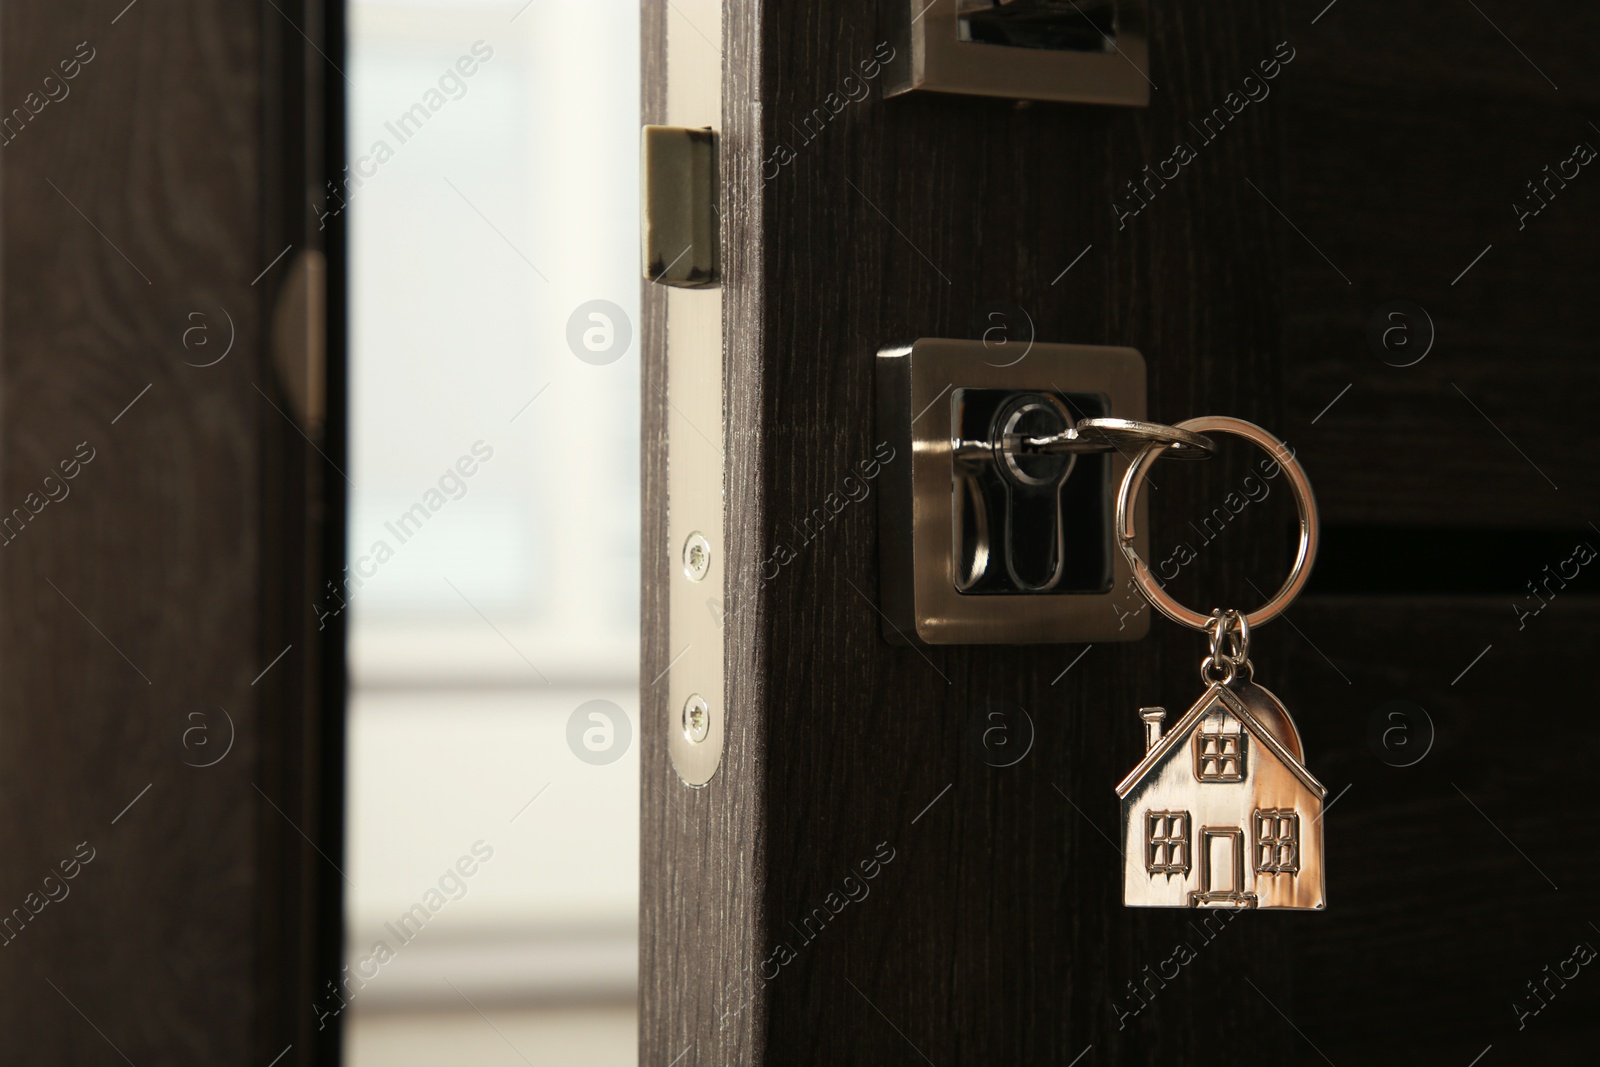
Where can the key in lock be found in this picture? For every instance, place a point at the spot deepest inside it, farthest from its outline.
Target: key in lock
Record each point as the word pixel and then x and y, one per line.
pixel 1027 521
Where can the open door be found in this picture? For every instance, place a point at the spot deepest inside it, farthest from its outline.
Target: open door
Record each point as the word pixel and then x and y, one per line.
pixel 1299 225
pixel 170 736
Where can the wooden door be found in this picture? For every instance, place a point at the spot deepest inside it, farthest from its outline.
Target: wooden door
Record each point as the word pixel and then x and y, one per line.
pixel 1385 166
pixel 170 734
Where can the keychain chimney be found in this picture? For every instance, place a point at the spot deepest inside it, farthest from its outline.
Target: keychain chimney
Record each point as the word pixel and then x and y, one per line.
pixel 1153 718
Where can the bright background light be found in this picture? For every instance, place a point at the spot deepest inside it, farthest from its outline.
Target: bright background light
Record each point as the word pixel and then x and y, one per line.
pixel 516 601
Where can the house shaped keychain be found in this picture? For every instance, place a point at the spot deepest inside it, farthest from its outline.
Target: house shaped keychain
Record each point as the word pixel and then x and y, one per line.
pixel 1221 812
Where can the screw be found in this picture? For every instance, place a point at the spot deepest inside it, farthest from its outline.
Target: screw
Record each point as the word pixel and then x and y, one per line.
pixel 696 557
pixel 696 719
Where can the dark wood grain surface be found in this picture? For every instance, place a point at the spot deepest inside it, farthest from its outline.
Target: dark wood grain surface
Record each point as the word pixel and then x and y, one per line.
pixel 143 607
pixel 1406 150
pixel 1454 881
pixel 996 935
pixel 1384 159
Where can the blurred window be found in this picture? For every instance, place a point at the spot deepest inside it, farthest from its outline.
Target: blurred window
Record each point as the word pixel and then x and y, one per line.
pixel 494 528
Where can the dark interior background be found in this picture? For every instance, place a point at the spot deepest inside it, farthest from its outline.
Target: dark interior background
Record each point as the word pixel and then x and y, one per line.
pixel 169 706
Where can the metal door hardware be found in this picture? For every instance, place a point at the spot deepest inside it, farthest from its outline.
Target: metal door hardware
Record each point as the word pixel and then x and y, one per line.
pixel 299 339
pixel 681 244
pixel 1077 51
pixel 999 527
pixel 678 206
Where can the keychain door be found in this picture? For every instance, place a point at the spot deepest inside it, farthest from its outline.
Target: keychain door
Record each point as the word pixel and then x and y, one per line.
pixel 1221 866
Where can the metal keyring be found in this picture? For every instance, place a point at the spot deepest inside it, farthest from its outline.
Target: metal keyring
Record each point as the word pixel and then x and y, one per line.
pixel 1304 501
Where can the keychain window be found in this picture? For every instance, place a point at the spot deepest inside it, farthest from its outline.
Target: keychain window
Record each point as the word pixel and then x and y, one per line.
pixel 1277 841
pixel 1169 842
pixel 1219 757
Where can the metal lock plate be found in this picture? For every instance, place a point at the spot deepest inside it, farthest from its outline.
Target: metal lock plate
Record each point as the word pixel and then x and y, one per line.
pixel 682 251
pixel 937 400
pixel 1077 51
